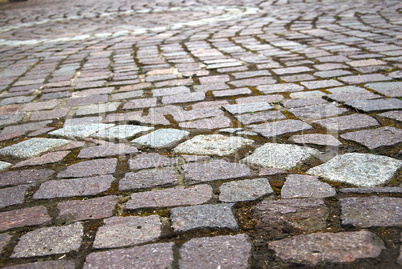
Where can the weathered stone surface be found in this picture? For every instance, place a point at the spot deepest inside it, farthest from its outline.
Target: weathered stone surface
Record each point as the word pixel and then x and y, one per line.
pixel 391 89
pixel 52 157
pixel 95 208
pixel 12 195
pixel 214 144
pixel 395 115
pixel 183 98
pixel 371 211
pixel 307 94
pixel 149 178
pixel 247 107
pixel 179 196
pixel 74 187
pixel 32 147
pixel 203 216
pixel 343 123
pixel 127 231
pixel 4 165
pixel 106 150
pixel 244 190
pixel 318 84
pixel 376 104
pixel 232 251
pixel 61 264
pixel 260 117
pixel 80 131
pixel 162 138
pixel 316 139
pixel 123 132
pixel 24 176
pixel 90 168
pixel 97 108
pixel 148 256
pixel 385 136
pixel 23 217
pixel 234 92
pixel 281 156
pixel 278 217
pixel 362 170
pixel 318 111
pixel 207 124
pixel 48 241
pixel 302 102
pixel 283 87
pixel 321 248
pixel 213 170
pixel 301 186
pixel 280 127
pixel 151 160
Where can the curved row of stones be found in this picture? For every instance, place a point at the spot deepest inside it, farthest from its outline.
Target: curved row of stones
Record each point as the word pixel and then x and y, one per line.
pixel 180 140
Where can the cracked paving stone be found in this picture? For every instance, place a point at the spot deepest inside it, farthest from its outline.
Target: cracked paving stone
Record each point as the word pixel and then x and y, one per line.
pixel 106 150
pixel 277 128
pixel 316 139
pixel 127 231
pixel 371 211
pixel 213 170
pixel 278 217
pixel 74 187
pixel 343 123
pixel 244 190
pixel 203 216
pixel 12 195
pixel 179 196
pixel 24 176
pixel 148 256
pixel 282 156
pixel 151 160
pixel 317 111
pixel 247 107
pixel 214 144
pixel 80 131
pixel 359 169
pixel 385 136
pixel 149 178
pixel 52 157
pixel 61 264
pixel 231 251
pixel 301 186
pixel 321 248
pixel 96 208
pixel 391 89
pixel 162 138
pixel 123 132
pixel 32 147
pixel 23 217
pixel 90 168
pixel 48 241
pixel 4 165
pixel 376 104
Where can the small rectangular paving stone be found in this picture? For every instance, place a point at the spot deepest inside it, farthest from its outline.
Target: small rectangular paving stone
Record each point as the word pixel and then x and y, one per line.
pixel 302 186
pixel 322 248
pixel 247 107
pixel 73 187
pixel 97 108
pixel 90 168
pixel 343 123
pixel 231 251
pixel 179 196
pixel 384 136
pixel 316 139
pixel 162 138
pixel 24 176
pixel 357 79
pixel 317 111
pixel 32 147
pixel 60 264
pixel 207 124
pixel 376 104
pixel 149 178
pixel 282 87
pixel 277 128
pixel 183 98
pixel 203 216
pixel 244 190
pixel 52 157
pixel 23 217
pixel 390 89
pixel 371 211
pixel 319 84
pixel 12 195
pixel 151 160
pixel 96 208
pixel 148 256
pixel 123 132
pixel 260 117
pixel 127 231
pixel 80 131
pixel 106 150
pixel 49 241
pixel 213 170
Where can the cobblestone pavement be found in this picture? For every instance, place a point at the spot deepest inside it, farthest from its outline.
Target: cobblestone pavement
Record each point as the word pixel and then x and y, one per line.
pixel 201 134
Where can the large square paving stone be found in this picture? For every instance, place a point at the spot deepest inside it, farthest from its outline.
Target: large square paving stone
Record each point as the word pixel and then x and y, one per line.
pixel 33 147
pixel 282 156
pixel 359 169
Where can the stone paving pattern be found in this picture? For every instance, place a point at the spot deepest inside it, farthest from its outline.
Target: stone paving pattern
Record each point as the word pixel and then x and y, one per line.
pixel 201 134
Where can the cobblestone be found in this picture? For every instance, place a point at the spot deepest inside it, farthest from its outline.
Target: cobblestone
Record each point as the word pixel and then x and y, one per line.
pixel 385 136
pixel 301 186
pixel 244 190
pixel 90 168
pixel 32 147
pixel 12 195
pixel 162 138
pixel 24 176
pixel 278 128
pixel 143 179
